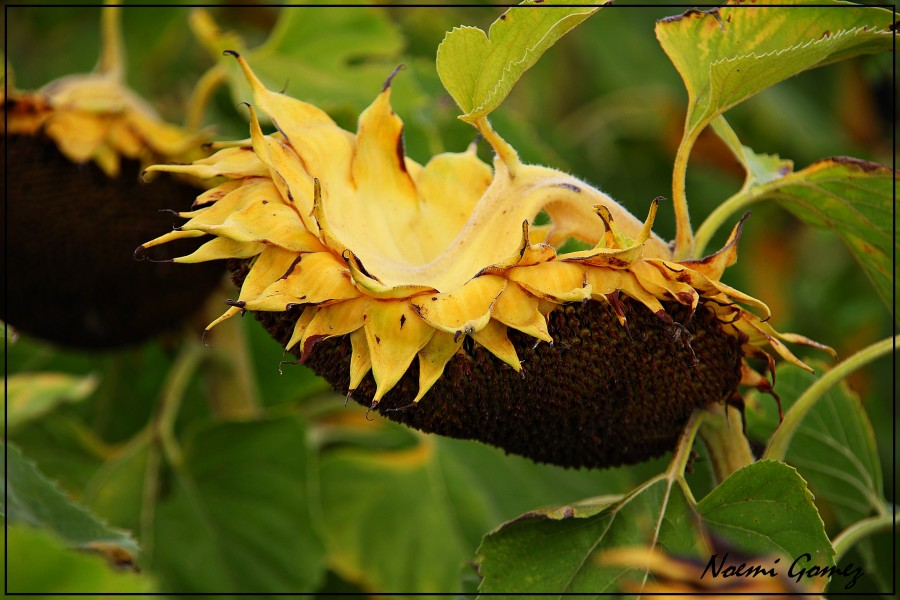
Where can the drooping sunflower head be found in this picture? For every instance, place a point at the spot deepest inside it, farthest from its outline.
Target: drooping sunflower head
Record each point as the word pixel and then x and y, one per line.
pixel 427 293
pixel 77 208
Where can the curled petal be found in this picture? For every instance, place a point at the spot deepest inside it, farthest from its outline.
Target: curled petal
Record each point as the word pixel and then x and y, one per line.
pixel 312 278
pixel 394 334
pixel 434 357
pixel 464 311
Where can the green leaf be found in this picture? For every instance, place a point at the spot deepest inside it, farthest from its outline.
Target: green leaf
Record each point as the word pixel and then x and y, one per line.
pixel 321 55
pixel 760 168
pixel 32 499
pixel 728 54
pixel 764 509
pixel 31 395
pixel 852 198
pixel 408 518
pixel 37 562
pixel 559 551
pixel 834 448
pixel 479 70
pixel 238 518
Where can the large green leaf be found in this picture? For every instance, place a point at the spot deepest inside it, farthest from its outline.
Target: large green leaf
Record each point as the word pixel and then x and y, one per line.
pixel 321 55
pixel 238 518
pixel 31 395
pixel 37 562
pixel 406 517
pixel 851 197
pixel 558 551
pixel 764 509
pixel 32 499
pixel 726 55
pixel 833 449
pixel 479 69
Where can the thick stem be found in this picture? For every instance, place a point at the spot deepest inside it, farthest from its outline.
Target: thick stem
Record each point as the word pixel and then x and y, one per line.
pixel 682 453
pixel 112 51
pixel 203 90
pixel 778 446
pixel 723 435
pixel 684 240
pixel 859 530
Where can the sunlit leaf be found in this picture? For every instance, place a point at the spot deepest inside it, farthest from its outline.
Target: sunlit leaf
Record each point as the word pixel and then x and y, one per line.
pixel 32 499
pixel 238 518
pixel 834 448
pixel 728 54
pixel 766 508
pixel 36 562
pixel 30 395
pixel 479 69
pixel 558 551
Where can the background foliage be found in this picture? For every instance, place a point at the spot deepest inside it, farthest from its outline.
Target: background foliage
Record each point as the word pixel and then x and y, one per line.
pixel 313 495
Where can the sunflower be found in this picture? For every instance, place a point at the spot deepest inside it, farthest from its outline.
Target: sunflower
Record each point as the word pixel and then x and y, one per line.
pixel 363 263
pixel 77 208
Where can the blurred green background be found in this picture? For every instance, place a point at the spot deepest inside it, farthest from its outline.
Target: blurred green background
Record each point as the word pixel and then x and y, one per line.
pixel 383 508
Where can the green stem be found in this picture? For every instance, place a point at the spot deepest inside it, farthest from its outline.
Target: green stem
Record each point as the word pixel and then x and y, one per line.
pixel 778 446
pixel 506 152
pixel 682 453
pixel 233 394
pixel 684 240
pixel 722 433
pixel 722 213
pixel 859 530
pixel 170 401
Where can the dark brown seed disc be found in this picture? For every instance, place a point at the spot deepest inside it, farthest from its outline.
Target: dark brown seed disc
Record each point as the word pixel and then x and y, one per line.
pixel 71 233
pixel 602 395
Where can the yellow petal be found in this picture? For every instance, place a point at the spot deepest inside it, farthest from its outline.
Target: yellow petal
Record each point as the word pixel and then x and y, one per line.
pixel 376 289
pixel 450 186
pixel 655 282
pixel 78 134
pixel 520 310
pixel 177 234
pixel 462 311
pixel 556 281
pixel 335 319
pixel 324 147
pixel 614 250
pixel 312 278
pixel 705 285
pixel 493 338
pixel 215 194
pixel 395 334
pixel 379 163
pixel 219 248
pixel 527 254
pixel 269 266
pixel 760 332
pixel 123 138
pixel 361 360
pixel 433 358
pixel 306 317
pixel 715 264
pixel 269 222
pixel 234 163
